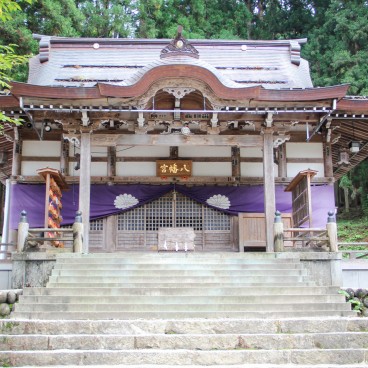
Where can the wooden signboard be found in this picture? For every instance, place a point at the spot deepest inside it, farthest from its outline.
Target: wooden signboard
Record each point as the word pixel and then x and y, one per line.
pixel 174 168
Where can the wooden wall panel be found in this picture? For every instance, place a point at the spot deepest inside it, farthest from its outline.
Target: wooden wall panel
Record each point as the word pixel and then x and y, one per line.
pixel 252 229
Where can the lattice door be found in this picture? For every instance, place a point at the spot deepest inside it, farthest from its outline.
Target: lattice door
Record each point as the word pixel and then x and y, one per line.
pixel 138 228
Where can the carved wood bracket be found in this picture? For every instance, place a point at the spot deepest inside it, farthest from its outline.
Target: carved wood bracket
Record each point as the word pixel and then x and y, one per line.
pixel 179 92
pixel 280 139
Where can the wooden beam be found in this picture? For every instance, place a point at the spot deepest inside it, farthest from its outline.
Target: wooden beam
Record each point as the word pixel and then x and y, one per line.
pixel 304 160
pixel 251 159
pixel 57 159
pixel 194 159
pixel 177 140
pixel 154 159
pixel 194 180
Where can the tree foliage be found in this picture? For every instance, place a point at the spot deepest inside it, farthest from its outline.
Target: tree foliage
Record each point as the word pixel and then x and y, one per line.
pixel 107 18
pixel 338 47
pixel 199 18
pixel 337 29
pixel 8 58
pixel 337 32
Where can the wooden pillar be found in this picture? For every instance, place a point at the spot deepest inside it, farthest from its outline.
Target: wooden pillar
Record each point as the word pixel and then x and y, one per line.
pixel 47 201
pixel 23 228
pixel 282 169
pixel 235 162
pixel 278 229
pixel 310 210
pixel 17 154
pixel 269 186
pixel 332 232
pixel 174 152
pixel 110 223
pixel 16 170
pixel 85 185
pixel 327 158
pixel 64 157
pixel 111 161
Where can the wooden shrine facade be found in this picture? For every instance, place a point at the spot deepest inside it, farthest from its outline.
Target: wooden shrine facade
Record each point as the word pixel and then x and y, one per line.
pixel 242 113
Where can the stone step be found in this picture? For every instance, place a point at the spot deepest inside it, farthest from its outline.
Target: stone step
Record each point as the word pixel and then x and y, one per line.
pixel 346 340
pixel 290 306
pixel 194 291
pixel 170 279
pixel 156 309
pixel 178 299
pixel 204 273
pixel 189 260
pixel 184 326
pixel 252 256
pixel 176 266
pixel 178 315
pixel 103 259
pixel 215 366
pixel 183 357
pixel 84 284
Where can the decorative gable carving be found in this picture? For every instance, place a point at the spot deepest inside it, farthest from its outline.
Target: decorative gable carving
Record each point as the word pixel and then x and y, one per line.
pixel 179 46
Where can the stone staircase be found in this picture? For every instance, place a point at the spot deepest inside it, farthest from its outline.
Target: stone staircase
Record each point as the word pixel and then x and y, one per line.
pixel 182 309
pixel 179 285
pixel 280 342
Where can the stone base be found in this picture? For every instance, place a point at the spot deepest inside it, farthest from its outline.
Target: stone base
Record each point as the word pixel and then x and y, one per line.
pixel 176 239
pixel 32 269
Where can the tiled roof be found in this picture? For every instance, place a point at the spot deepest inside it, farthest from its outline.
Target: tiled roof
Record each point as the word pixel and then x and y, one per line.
pixel 75 62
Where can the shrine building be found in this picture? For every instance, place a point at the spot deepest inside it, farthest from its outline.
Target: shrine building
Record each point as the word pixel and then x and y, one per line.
pixel 156 133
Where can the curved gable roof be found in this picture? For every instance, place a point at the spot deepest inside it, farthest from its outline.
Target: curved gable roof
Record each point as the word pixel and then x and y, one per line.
pixel 81 62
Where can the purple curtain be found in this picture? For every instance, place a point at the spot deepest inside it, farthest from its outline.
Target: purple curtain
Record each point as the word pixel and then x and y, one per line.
pixel 108 200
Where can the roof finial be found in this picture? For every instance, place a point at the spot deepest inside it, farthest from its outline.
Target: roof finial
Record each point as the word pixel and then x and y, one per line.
pixel 179 46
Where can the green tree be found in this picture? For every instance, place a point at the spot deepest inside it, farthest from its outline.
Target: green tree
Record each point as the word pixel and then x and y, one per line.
pixel 48 17
pixel 8 58
pixel 347 185
pixel 338 47
pixel 199 18
pixel 360 181
pixel 108 18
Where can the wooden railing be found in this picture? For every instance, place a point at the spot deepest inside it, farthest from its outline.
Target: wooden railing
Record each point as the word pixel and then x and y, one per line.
pixel 354 253
pixel 35 238
pixel 40 237
pixel 307 238
pixel 299 238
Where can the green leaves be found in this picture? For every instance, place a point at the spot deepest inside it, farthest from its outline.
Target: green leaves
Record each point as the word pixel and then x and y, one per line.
pixel 108 18
pixel 8 60
pixel 338 46
pixel 199 18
